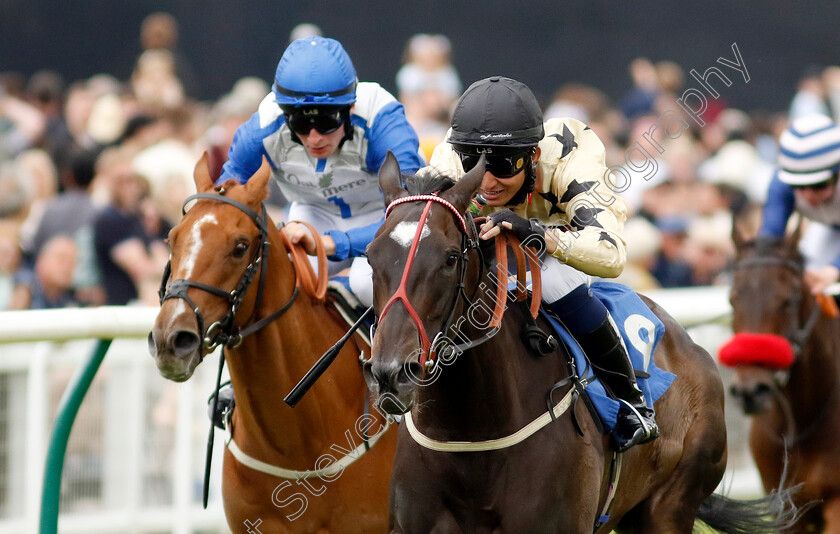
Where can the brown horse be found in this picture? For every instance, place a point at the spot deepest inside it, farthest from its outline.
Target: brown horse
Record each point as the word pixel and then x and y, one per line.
pixel 469 459
pixel 786 354
pixel 230 269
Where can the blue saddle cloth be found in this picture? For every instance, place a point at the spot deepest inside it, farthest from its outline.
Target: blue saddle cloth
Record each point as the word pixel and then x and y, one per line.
pixel 641 330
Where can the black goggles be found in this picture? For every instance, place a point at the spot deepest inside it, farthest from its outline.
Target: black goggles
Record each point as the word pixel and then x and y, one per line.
pixel 305 120
pixel 819 186
pixel 501 166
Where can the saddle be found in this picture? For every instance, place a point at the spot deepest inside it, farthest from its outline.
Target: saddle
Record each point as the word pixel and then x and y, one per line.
pixel 641 331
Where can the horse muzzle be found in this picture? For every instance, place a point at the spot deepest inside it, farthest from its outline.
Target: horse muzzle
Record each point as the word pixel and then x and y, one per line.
pixel 392 384
pixel 177 353
pixel 755 398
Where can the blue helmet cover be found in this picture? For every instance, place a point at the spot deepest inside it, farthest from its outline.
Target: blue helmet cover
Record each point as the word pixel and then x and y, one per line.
pixel 315 71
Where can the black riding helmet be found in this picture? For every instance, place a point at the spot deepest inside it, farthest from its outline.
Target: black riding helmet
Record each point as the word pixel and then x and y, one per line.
pixel 499 116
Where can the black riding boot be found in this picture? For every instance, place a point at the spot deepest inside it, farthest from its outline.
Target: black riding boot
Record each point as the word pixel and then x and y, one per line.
pixel 611 363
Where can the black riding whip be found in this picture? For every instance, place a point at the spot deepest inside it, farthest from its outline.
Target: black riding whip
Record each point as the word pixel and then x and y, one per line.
pixel 209 455
pixel 321 365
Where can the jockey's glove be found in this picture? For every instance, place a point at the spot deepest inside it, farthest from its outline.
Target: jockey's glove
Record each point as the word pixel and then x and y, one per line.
pixel 529 231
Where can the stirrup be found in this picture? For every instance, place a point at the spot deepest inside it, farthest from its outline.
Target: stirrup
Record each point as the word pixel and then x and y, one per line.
pixel 644 426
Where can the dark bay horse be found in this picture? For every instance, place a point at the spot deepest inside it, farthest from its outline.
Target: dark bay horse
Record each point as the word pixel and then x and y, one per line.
pixel 232 281
pixel 786 354
pixel 469 458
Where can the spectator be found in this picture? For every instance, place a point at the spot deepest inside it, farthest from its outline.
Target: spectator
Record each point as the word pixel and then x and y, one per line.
pixel 15 193
pixel 810 97
pixel 45 91
pixel 168 163
pixel 50 283
pixel 670 267
pixel 643 241
pixel 159 31
pixel 22 125
pixel 130 255
pixel 9 262
pixel 40 173
pixel 70 210
pixel 709 250
pixel 428 86
pixel 641 98
pixel 155 83
pixel 303 30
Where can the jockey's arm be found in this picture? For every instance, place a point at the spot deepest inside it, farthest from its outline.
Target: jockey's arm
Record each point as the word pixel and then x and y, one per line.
pixel 778 208
pixel 337 244
pixel 353 242
pixel 246 152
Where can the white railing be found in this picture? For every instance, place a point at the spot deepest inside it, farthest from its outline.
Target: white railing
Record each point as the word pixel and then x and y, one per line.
pixel 135 458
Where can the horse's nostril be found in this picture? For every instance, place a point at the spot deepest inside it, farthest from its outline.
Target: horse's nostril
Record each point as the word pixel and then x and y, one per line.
pixel 762 389
pixel 185 342
pixel 410 372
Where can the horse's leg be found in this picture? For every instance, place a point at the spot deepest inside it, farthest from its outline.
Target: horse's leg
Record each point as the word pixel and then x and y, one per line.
pixel 672 507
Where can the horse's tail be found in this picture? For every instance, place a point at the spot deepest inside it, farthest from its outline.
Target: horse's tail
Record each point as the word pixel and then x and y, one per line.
pixel 773 513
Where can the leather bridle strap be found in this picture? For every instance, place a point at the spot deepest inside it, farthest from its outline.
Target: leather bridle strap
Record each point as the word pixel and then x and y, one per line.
pixel 796 335
pixel 401 293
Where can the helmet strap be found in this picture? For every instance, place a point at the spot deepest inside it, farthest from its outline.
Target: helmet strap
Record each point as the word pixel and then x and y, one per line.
pixel 527 186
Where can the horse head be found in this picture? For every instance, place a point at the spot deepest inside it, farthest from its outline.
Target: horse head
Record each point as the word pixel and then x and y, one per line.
pixel 420 263
pixel 768 298
pixel 216 251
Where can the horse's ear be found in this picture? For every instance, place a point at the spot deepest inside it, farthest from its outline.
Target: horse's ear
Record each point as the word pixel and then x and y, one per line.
pixel 792 240
pixel 201 175
pixel 389 179
pixel 737 235
pixel 256 185
pixel 464 189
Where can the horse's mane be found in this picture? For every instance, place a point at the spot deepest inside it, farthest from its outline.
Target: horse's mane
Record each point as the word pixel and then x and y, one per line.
pixel 428 183
pixel 771 247
pixel 766 245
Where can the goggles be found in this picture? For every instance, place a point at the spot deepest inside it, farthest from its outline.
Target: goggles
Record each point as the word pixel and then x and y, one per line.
pixel 819 186
pixel 304 120
pixel 500 166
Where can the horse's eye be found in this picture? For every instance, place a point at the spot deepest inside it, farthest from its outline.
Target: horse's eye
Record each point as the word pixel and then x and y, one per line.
pixel 240 248
pixel 452 259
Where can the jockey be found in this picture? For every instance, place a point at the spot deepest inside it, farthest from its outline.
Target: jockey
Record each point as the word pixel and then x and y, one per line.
pixel 325 135
pixel 806 182
pixel 540 179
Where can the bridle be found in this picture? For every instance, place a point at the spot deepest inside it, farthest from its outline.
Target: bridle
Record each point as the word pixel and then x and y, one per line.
pixel 797 334
pixel 223 332
pixel 401 294
pixel 469 241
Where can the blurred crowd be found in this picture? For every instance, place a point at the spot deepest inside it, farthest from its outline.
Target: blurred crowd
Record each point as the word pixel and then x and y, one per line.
pixel 93 172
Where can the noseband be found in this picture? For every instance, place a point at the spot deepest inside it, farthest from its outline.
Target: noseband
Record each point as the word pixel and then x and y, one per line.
pixel 223 332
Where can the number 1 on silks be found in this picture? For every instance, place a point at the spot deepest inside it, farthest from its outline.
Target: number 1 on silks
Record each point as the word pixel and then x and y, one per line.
pixel 345 209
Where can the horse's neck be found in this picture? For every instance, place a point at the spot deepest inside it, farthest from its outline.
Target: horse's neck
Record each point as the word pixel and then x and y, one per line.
pixel 815 377
pixel 270 361
pixel 498 385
